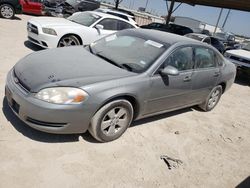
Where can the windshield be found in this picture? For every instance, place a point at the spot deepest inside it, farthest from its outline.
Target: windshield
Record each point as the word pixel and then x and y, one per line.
pixel 247 47
pixel 129 52
pixel 84 18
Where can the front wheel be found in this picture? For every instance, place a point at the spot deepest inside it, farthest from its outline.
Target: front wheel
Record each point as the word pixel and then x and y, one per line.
pixel 7 11
pixel 111 120
pixel 212 99
pixel 69 40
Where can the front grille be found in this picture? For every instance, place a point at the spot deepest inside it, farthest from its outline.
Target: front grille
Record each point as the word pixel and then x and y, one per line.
pixel 240 59
pixel 32 28
pixel 43 123
pixel 20 83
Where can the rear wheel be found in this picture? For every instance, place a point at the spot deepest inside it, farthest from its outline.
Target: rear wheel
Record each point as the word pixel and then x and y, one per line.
pixel 69 40
pixel 7 11
pixel 111 121
pixel 213 99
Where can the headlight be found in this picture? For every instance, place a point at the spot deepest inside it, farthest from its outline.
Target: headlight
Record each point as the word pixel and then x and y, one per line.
pixel 62 95
pixel 49 31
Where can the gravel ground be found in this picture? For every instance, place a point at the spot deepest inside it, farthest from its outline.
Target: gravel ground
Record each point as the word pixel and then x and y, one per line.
pixel 214 146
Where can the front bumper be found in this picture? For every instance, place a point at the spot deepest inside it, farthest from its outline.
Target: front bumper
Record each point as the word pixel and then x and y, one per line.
pixel 46 117
pixel 36 36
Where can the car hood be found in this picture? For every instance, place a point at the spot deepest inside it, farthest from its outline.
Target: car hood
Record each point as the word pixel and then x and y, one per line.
pixel 69 66
pixel 240 53
pixel 53 22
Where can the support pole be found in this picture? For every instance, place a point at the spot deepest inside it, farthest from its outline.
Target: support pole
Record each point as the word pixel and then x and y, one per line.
pixel 146 5
pixel 225 21
pixel 170 11
pixel 218 21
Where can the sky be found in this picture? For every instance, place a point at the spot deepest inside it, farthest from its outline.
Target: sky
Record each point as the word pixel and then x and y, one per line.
pixel 238 21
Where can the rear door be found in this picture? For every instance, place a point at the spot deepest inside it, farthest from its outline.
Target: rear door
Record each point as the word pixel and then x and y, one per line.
pixel 206 73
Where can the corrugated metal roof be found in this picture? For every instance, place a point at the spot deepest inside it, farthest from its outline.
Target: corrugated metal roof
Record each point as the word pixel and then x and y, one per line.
pixel 243 5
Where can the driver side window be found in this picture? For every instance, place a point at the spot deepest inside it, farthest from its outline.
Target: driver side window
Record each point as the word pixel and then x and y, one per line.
pixel 109 24
pixel 181 59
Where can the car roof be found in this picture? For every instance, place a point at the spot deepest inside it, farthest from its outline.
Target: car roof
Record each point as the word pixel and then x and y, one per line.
pixel 164 37
pixel 115 11
pixel 105 15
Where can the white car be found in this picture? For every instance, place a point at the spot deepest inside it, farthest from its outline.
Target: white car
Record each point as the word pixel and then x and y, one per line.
pixel 82 28
pixel 120 14
pixel 241 58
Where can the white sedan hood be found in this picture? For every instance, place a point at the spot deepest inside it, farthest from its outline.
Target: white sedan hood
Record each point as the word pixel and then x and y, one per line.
pixel 240 53
pixel 53 22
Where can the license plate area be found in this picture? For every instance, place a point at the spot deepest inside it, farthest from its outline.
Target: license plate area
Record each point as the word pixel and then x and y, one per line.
pixel 12 103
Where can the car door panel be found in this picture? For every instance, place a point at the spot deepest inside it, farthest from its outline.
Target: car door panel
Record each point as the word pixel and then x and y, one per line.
pixel 169 92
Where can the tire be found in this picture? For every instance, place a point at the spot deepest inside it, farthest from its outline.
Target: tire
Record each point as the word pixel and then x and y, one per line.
pixel 111 120
pixel 7 11
pixel 69 40
pixel 212 99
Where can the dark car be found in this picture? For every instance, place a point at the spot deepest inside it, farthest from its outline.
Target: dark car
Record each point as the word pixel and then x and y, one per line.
pixel 106 85
pixel 68 7
pixel 8 8
pixel 171 28
pixel 209 40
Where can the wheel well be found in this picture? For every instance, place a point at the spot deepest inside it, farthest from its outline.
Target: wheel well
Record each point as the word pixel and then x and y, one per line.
pixel 129 98
pixel 223 85
pixel 77 36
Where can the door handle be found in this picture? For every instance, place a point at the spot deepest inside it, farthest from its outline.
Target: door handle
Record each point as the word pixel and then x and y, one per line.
pixel 216 74
pixel 187 79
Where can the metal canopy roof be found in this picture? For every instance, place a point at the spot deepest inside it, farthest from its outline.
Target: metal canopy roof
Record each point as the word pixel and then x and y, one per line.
pixel 243 5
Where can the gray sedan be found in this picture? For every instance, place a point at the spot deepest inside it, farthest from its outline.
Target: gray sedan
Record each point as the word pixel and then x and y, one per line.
pixel 126 76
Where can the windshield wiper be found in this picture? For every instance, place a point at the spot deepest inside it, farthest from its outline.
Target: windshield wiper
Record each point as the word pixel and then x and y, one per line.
pixel 109 60
pixel 128 67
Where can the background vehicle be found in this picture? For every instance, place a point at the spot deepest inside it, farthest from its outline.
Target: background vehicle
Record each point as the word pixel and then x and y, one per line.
pixel 209 40
pixel 171 28
pixel 68 7
pixel 241 58
pixel 81 28
pixel 167 72
pixel 228 39
pixel 32 6
pixel 8 8
pixel 129 17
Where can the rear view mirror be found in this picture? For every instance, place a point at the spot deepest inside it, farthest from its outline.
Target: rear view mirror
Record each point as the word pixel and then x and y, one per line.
pixel 99 26
pixel 169 70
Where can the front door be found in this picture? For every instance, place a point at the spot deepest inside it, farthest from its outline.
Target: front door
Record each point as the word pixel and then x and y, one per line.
pixel 172 92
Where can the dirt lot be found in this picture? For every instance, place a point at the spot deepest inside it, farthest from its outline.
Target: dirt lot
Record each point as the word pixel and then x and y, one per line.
pixel 214 147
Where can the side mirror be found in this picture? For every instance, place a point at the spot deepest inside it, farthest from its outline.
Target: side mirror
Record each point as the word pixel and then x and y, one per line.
pixel 99 27
pixel 169 70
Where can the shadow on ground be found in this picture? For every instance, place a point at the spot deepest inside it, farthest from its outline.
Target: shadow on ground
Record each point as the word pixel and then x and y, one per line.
pixel 161 116
pixel 242 80
pixel 32 46
pixel 245 183
pixel 33 134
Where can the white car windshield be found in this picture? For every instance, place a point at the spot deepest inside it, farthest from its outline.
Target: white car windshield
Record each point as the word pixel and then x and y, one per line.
pixel 130 52
pixel 84 18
